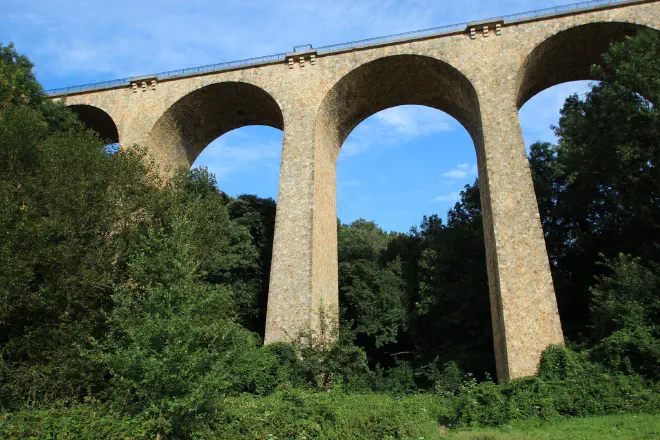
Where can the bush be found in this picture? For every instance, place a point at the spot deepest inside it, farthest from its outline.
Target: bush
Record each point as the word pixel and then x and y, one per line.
pixel 286 414
pixel 568 385
pixel 446 381
pixel 397 380
pixel 631 351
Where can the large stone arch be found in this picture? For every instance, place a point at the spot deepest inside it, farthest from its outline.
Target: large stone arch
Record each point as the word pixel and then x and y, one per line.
pixel 523 306
pixel 98 120
pixel 568 56
pixel 379 84
pixel 203 115
pixel 392 81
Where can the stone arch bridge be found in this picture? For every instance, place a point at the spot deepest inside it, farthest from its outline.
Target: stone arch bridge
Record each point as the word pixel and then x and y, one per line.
pixel 480 73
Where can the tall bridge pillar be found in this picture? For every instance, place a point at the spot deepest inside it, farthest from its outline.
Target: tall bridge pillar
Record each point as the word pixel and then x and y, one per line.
pixel 303 276
pixel 524 310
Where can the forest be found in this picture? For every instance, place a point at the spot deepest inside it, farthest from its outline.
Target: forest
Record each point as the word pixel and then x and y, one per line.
pixel 133 306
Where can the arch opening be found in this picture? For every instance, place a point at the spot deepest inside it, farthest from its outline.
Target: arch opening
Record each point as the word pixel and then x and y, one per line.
pixel 556 68
pixel 416 157
pixel 382 84
pixel 245 160
pixel 542 111
pixel 568 56
pixel 400 168
pixel 245 163
pixel 393 81
pixel 205 117
pixel 194 121
pixel 98 120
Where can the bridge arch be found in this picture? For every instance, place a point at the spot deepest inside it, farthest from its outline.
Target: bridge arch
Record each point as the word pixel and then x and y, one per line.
pixel 568 56
pixel 203 115
pixel 392 81
pixel 98 120
pixel 377 85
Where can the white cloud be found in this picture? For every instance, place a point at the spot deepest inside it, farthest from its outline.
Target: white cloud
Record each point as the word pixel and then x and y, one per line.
pixel 352 148
pixel 542 111
pixel 455 174
pixel 396 126
pixel 413 121
pixel 449 197
pixel 238 151
pixel 461 171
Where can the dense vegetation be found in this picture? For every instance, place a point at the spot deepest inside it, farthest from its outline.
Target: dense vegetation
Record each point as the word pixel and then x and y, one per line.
pixel 134 307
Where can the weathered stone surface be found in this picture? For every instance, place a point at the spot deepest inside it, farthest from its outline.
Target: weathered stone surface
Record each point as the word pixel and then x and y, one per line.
pixel 481 78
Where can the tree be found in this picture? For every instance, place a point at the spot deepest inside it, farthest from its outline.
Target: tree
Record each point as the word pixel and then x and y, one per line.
pixel 371 288
pixel 173 337
pixel 625 317
pixel 598 188
pixel 67 208
pixel 450 319
pixel 19 86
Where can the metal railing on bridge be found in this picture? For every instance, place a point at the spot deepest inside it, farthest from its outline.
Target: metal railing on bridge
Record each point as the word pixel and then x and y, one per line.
pixel 341 46
pixel 464 25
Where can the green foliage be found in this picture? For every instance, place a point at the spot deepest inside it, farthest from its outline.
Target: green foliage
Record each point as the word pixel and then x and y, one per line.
pixel 371 290
pixel 631 350
pixel 451 281
pixel 287 414
pixel 66 208
pixel 327 416
pixel 393 288
pixel 292 414
pixel 628 298
pixel 19 86
pixel 397 380
pixel 598 187
pixel 625 315
pixel 172 336
pixel 77 224
pixel 568 385
pixel 633 64
pixel 258 216
pixel 328 359
pixel 447 380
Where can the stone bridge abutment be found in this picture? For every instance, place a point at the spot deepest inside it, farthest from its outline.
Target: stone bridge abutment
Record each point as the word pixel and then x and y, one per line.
pixel 480 73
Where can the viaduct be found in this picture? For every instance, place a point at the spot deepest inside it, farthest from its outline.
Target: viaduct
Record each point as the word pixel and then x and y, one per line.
pixel 480 73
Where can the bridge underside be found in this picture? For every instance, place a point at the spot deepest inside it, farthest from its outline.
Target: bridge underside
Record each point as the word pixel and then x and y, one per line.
pixel 96 119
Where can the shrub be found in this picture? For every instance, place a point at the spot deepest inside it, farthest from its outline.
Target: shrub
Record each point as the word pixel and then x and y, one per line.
pixel 568 385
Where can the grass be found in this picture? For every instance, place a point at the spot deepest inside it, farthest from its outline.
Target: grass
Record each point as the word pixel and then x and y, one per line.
pixel 615 427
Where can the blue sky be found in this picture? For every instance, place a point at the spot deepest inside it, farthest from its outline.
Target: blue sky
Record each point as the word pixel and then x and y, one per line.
pixel 395 167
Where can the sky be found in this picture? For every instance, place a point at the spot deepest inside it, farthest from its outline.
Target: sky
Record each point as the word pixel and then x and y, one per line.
pixel 395 167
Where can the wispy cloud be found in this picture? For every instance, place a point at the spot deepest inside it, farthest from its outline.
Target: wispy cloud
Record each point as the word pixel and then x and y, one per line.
pixel 461 171
pixel 396 126
pixel 415 121
pixel 449 197
pixel 539 113
pixel 239 151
